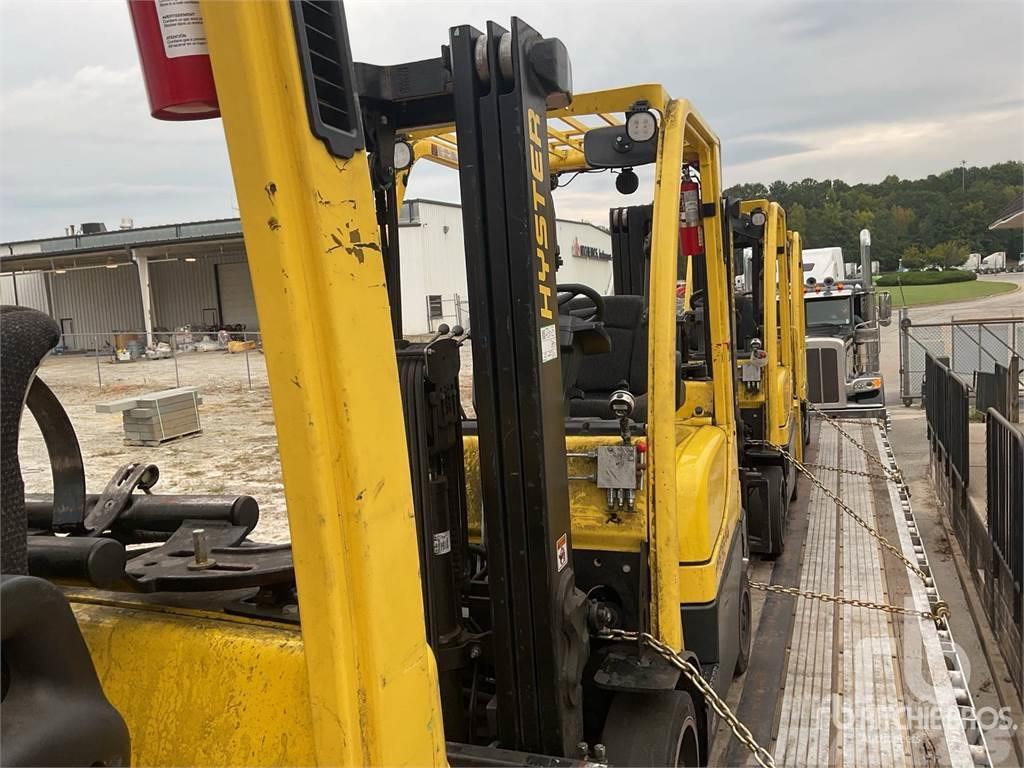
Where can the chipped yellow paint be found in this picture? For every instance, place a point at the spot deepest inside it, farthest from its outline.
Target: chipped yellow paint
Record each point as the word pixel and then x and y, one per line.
pixel 319 285
pixel 200 688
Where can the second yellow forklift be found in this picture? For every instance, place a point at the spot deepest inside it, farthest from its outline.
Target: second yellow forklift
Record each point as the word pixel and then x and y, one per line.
pixel 768 339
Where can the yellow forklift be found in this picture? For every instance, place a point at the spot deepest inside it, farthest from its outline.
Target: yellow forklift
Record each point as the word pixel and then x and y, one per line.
pixel 798 336
pixel 602 610
pixel 766 346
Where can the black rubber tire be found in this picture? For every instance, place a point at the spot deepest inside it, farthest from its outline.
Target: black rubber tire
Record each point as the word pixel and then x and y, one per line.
pixel 777 506
pixel 657 729
pixel 746 631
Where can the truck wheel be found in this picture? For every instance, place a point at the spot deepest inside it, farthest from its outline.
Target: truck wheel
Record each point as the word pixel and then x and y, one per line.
pixel 657 729
pixel 746 631
pixel 777 506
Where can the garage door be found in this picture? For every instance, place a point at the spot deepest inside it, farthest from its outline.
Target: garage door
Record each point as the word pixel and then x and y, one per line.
pixel 237 304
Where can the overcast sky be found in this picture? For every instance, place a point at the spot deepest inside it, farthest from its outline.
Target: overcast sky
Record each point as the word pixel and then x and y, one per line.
pixel 853 90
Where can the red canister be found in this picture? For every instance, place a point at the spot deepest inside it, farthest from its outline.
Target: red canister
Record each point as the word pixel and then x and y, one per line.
pixel 174 59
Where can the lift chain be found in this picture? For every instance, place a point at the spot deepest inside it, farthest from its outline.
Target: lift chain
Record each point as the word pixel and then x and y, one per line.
pixel 939 615
pixel 856 472
pixel 846 508
pixel 692 674
pixel 893 474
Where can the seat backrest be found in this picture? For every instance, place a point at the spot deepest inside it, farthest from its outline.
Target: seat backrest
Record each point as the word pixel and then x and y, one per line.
pixel 26 335
pixel 626 362
pixel 746 323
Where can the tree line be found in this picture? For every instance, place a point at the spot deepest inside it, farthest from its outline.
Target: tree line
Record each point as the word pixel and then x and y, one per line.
pixel 937 220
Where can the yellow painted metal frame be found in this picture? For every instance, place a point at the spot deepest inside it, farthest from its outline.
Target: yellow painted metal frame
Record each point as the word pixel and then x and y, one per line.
pixel 692 491
pixel 798 333
pixel 775 396
pixel 365 692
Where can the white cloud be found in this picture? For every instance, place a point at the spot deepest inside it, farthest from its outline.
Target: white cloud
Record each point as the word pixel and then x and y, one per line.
pixel 794 89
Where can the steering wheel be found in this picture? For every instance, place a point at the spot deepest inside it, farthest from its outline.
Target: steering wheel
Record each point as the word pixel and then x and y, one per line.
pixel 569 291
pixel 697 298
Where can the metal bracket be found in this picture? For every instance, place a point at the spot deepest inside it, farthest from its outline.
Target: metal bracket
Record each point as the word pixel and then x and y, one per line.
pixel 117 495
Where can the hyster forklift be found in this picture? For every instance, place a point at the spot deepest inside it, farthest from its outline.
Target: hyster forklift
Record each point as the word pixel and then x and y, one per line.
pixel 766 349
pixel 798 336
pixel 598 617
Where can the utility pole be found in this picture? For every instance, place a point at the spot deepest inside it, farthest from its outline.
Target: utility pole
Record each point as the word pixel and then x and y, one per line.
pixel 963 175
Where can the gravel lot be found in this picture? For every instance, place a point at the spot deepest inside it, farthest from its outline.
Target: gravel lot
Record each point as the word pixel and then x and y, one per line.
pixel 235 454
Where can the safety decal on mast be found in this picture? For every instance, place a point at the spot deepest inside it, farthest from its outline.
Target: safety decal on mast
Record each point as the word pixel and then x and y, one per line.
pixel 562 551
pixel 548 342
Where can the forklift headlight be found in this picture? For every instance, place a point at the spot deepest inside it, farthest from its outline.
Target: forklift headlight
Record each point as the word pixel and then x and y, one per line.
pixel 641 126
pixel 403 155
pixel 757 218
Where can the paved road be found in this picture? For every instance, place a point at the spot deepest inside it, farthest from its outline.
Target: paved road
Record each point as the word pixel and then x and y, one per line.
pixel 1001 305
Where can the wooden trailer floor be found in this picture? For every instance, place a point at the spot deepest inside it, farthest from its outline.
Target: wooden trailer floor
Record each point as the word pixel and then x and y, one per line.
pixel 843 685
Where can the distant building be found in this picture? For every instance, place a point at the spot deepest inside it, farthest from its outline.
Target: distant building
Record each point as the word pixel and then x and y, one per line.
pixel 195 274
pixel 1012 216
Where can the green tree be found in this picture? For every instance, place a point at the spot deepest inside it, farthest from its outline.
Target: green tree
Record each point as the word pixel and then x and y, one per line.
pixel 903 214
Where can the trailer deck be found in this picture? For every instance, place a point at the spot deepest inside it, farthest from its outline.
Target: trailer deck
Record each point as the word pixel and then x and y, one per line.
pixel 843 685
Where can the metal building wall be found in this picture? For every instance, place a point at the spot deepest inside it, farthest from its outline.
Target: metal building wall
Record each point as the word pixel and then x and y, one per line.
pixel 31 290
pixel 97 301
pixel 434 262
pixel 182 289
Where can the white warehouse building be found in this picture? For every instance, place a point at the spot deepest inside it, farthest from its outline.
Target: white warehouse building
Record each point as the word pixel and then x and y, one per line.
pixel 158 279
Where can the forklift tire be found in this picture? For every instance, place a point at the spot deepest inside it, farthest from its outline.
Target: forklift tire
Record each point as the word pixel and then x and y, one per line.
pixel 746 631
pixel 657 729
pixel 778 504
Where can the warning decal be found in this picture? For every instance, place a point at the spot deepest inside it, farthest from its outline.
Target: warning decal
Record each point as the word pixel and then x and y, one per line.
pixel 548 343
pixel 562 551
pixel 181 26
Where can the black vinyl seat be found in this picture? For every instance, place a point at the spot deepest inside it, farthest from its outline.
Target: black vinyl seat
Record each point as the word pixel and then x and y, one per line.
pixel 623 367
pixel 746 322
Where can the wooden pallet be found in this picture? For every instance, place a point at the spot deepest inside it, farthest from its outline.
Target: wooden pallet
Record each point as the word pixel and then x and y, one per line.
pixel 157 417
pixel 164 441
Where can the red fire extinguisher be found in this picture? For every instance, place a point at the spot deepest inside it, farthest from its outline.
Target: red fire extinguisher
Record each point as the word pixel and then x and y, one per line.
pixel 691 230
pixel 174 59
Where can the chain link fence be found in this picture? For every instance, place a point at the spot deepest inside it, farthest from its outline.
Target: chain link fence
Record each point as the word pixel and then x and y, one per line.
pixel 165 359
pixel 967 346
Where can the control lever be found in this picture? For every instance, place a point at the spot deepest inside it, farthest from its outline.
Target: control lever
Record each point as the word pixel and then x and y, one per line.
pixel 622 404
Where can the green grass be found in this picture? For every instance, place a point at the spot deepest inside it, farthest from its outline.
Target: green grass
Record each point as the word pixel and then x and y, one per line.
pixel 938 294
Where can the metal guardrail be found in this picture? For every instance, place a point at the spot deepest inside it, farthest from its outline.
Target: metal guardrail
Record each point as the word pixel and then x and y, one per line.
pixel 947 408
pixel 1004 593
pixel 992 539
pixel 999 390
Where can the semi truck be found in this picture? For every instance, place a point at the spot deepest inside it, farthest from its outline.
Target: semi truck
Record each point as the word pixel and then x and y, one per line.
pixel 843 318
pixel 993 264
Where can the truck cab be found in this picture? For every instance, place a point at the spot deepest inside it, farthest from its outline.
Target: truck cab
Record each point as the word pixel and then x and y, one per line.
pixel 843 319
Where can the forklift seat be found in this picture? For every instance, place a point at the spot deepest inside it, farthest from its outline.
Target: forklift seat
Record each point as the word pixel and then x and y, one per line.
pixel 623 367
pixel 746 323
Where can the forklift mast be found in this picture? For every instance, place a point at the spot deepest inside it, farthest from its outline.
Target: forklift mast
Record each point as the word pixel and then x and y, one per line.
pixel 502 94
pixel 496 88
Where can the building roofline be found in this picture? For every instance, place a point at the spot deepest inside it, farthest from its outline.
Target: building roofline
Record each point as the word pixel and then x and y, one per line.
pixel 117 241
pixel 449 204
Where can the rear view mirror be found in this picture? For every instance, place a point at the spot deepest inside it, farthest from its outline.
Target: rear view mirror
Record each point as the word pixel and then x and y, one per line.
pixel 884 308
pixel 611 147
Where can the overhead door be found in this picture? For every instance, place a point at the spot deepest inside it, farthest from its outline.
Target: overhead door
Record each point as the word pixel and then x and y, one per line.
pixel 237 304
